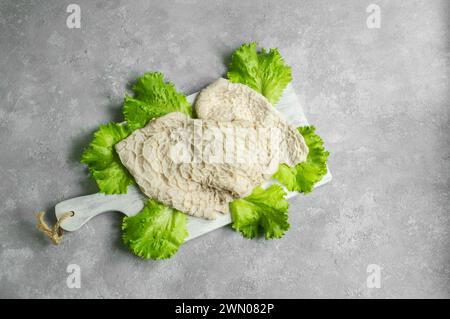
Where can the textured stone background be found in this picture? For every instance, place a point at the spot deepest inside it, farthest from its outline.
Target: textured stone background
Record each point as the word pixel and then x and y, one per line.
pixel 379 97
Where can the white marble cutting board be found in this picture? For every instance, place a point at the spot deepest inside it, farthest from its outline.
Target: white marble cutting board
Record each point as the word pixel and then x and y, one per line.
pixel 87 207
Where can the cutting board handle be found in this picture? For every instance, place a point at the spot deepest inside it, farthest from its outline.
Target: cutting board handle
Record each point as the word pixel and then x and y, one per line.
pixel 87 207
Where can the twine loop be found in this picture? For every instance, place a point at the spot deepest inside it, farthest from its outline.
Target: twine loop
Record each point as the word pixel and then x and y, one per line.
pixel 55 233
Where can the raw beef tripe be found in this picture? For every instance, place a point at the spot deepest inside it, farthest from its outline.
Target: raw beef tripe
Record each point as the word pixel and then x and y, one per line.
pixel 226 101
pixel 204 189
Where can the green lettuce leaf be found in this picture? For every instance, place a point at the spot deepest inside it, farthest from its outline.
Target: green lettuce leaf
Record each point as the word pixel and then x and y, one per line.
pixel 265 72
pixel 156 232
pixel 265 210
pixel 303 176
pixel 104 163
pixel 153 98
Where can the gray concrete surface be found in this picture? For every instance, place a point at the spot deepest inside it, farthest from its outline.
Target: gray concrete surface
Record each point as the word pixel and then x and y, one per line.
pixel 379 97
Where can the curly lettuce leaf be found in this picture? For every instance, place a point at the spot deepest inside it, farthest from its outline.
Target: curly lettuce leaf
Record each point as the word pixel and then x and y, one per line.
pixel 265 72
pixel 104 163
pixel 303 176
pixel 156 232
pixel 153 98
pixel 265 210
